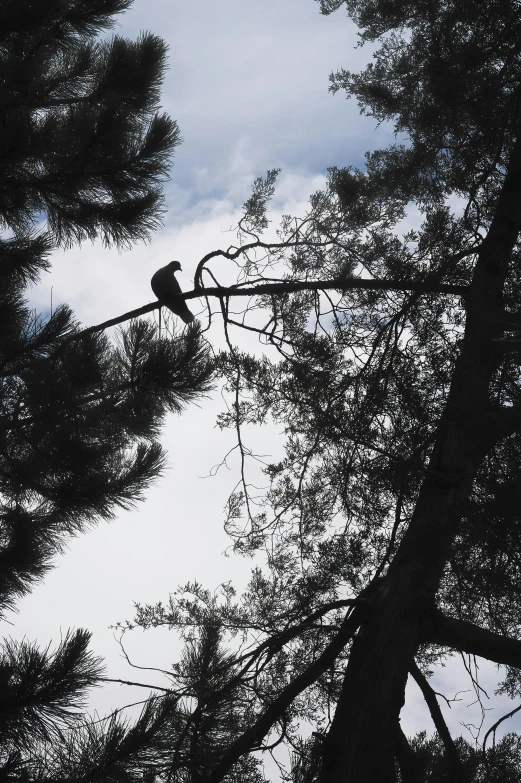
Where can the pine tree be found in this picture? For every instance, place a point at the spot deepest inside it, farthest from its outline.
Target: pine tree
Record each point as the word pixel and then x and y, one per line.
pixel 82 141
pixel 83 148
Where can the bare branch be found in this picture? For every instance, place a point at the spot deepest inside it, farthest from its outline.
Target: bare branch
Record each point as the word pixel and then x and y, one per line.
pixel 493 729
pixel 137 684
pixel 114 321
pixel 441 727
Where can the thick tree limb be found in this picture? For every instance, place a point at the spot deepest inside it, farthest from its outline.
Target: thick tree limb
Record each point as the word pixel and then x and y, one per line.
pixel 458 773
pixel 363 729
pixel 467 637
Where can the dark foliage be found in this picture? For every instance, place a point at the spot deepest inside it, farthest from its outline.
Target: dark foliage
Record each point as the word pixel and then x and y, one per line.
pixel 84 151
pixel 82 143
pixel 42 693
pixel 79 419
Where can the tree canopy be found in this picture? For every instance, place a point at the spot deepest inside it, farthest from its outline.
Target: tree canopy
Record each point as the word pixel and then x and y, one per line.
pixel 388 537
pixel 389 528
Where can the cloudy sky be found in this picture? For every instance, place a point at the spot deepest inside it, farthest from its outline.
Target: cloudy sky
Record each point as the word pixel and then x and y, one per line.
pixel 248 85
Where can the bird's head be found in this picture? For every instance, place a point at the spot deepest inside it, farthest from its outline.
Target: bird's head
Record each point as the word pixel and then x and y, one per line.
pixel 175 266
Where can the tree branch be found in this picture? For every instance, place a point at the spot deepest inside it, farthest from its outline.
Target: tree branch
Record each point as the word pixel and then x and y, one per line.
pixel 458 772
pixel 467 637
pixel 136 684
pixel 493 729
pixel 114 321
pixel 339 284
pixel 277 641
pixel 510 321
pixel 234 252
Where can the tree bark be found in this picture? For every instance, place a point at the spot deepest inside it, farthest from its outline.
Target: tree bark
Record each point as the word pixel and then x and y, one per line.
pixel 406 759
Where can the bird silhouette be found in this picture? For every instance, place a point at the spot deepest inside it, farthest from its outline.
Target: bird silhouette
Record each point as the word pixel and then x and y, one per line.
pixel 167 289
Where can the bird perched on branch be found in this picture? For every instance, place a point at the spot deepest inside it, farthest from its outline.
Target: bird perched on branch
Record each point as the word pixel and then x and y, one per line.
pixel 167 289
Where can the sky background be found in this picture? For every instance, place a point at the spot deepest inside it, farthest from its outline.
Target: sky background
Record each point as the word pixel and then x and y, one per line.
pixel 248 86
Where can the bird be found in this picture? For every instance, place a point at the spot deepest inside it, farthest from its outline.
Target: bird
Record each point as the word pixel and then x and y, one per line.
pixel 167 289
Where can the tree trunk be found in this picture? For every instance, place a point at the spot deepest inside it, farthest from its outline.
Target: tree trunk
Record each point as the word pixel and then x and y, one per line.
pixel 361 742
pixel 360 747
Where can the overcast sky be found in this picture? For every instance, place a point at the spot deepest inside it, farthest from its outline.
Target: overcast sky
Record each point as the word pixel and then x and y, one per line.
pixel 248 85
